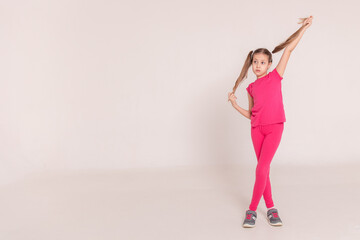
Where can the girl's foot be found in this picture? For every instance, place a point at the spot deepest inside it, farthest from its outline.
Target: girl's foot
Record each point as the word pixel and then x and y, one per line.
pixel 250 217
pixel 273 217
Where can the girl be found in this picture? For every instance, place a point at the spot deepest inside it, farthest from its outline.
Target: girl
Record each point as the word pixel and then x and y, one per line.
pixel 266 112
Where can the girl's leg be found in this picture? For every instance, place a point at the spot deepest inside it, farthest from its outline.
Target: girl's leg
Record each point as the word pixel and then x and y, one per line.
pixel 270 136
pixel 258 138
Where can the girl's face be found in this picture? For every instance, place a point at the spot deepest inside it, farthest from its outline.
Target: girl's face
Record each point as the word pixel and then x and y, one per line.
pixel 260 64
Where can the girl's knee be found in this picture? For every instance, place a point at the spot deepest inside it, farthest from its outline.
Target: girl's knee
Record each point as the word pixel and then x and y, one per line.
pixel 262 170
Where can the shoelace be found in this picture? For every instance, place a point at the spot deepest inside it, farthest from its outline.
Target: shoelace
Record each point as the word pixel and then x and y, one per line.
pixel 249 215
pixel 274 214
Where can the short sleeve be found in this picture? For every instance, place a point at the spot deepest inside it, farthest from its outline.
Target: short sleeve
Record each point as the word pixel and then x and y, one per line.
pixel 249 89
pixel 276 75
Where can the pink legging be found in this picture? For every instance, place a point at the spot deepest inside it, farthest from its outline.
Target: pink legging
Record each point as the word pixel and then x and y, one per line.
pixel 266 139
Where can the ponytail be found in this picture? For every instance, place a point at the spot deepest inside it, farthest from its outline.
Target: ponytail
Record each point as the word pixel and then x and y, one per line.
pixel 244 71
pixel 290 39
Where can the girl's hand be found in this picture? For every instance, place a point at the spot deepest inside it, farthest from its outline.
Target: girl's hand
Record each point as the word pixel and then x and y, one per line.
pixel 306 21
pixel 232 98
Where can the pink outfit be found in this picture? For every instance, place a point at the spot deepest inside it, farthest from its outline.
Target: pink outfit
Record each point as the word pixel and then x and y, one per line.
pixel 267 125
pixel 266 139
pixel 268 104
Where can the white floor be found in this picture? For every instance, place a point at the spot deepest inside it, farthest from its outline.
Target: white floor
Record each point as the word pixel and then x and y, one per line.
pixel 181 204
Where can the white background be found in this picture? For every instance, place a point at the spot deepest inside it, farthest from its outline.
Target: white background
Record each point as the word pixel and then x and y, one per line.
pixel 144 84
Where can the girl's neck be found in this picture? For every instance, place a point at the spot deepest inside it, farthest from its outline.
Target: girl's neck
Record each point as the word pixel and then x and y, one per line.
pixel 262 76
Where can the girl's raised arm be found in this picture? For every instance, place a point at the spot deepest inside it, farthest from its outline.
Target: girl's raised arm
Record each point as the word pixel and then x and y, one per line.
pixel 290 44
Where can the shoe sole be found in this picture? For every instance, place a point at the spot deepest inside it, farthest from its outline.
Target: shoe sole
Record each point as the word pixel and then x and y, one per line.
pixel 248 225
pixel 274 224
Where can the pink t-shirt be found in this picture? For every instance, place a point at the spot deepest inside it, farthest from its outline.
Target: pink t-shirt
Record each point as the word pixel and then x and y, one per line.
pixel 268 103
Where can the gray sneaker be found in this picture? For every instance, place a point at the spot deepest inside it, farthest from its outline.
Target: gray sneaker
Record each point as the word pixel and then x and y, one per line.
pixel 250 218
pixel 273 217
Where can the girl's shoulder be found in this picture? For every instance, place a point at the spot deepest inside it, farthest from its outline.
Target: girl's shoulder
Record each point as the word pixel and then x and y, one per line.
pixel 275 75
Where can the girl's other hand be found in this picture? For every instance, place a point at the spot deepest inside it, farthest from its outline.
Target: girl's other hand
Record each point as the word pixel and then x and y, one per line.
pixel 232 97
pixel 306 21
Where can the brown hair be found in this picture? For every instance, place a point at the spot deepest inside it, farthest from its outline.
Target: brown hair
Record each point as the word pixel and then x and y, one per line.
pixel 249 58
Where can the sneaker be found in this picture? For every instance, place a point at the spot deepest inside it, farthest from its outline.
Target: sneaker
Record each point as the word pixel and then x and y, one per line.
pixel 250 218
pixel 273 217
